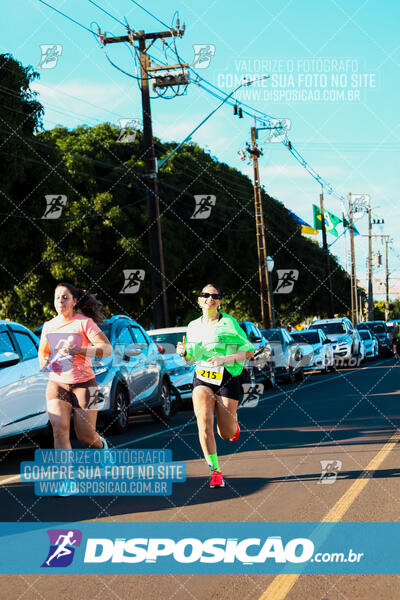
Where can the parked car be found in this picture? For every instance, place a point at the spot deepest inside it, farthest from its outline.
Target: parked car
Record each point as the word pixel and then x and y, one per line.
pixel 390 325
pixel 322 351
pixel 363 351
pixel 370 343
pixel 261 367
pixel 180 372
pixel 134 378
pixel 22 384
pixel 346 343
pixel 380 330
pixel 286 354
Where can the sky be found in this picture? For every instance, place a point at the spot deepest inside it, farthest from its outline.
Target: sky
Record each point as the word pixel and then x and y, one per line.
pixel 333 67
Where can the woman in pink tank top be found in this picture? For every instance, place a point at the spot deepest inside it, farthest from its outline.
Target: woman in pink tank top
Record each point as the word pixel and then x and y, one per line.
pixel 67 344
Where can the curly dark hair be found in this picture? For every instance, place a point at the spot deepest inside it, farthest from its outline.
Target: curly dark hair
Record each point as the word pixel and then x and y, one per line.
pixel 87 304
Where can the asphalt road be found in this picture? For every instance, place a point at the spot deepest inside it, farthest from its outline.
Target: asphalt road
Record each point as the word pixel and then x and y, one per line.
pixel 272 474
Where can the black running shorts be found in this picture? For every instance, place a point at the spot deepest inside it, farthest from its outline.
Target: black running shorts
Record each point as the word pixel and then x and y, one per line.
pixel 231 386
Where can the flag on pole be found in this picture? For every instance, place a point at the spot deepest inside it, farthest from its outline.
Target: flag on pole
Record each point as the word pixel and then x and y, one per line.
pixel 346 224
pixel 305 227
pixel 331 220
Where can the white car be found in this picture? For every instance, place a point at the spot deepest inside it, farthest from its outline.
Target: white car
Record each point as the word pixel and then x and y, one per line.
pixel 286 354
pixel 321 357
pixel 347 347
pixel 22 384
pixel 181 374
pixel 370 342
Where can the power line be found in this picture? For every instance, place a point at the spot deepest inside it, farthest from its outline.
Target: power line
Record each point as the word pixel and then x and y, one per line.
pixel 149 13
pixel 106 12
pixel 66 16
pixel 260 117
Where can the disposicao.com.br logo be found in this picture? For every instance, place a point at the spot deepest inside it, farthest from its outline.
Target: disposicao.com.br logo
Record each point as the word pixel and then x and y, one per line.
pixel 62 547
pixel 191 550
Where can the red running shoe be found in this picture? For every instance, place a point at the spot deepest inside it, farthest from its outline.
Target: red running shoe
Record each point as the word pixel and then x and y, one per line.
pixel 236 436
pixel 217 480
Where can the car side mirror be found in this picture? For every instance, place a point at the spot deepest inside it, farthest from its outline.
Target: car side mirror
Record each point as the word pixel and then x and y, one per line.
pixel 131 350
pixel 8 359
pixel 327 341
pixel 256 339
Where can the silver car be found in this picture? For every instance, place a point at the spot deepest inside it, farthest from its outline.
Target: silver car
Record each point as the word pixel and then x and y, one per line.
pixel 22 384
pixel 134 378
pixel 180 372
pixel 347 346
pixel 322 353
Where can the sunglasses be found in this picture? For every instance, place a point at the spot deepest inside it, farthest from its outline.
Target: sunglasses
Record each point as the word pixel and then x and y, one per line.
pixel 207 295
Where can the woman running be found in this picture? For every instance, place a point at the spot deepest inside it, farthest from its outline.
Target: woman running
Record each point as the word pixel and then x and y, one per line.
pixel 218 346
pixel 67 344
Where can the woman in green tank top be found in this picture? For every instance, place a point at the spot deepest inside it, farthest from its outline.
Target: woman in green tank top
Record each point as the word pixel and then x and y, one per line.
pixel 218 347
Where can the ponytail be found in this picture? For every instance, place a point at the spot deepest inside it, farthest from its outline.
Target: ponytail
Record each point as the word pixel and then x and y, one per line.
pixel 87 304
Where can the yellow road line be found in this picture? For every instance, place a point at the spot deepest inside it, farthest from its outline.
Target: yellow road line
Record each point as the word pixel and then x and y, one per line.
pixel 9 480
pixel 282 584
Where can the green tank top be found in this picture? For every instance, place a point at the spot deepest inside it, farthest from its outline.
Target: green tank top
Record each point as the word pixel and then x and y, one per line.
pixel 224 338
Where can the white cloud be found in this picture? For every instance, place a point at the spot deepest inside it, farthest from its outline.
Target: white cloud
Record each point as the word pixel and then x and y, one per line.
pixel 97 102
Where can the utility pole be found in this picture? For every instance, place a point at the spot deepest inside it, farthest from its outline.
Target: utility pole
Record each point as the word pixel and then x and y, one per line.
pixel 267 316
pixel 326 257
pixel 387 279
pixel 354 298
pixel 157 276
pixel 370 292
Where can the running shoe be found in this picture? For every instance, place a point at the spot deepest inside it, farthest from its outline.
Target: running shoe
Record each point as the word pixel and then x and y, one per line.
pixel 108 458
pixel 64 489
pixel 216 479
pixel 236 436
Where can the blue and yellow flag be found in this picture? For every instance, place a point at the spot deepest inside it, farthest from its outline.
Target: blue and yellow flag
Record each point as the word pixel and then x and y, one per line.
pixel 305 227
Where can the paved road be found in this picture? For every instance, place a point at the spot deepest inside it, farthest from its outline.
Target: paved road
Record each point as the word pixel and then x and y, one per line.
pixel 272 475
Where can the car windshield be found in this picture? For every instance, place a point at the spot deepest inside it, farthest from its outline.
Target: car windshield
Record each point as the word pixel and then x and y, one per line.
pixel 328 328
pixel 306 337
pixel 272 335
pixel 365 335
pixel 374 327
pixel 377 327
pixel 168 340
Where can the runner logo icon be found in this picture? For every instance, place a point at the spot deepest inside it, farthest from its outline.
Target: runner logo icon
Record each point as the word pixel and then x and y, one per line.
pixel 62 547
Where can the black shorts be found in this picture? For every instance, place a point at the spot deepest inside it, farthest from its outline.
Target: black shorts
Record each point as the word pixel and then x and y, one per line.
pixel 231 386
pixel 78 395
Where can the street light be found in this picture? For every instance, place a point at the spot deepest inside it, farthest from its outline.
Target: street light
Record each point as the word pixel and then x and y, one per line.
pixel 189 136
pixel 270 268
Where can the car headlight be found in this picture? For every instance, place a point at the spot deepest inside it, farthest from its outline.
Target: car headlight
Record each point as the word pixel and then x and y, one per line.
pixel 317 351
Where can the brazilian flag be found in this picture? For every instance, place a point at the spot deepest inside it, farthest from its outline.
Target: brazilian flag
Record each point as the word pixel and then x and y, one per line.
pixel 331 221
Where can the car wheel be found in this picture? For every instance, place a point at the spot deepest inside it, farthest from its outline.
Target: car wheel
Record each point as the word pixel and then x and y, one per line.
pixel 162 412
pixel 46 439
pixel 270 380
pixel 326 368
pixel 290 377
pixel 120 419
pixel 299 376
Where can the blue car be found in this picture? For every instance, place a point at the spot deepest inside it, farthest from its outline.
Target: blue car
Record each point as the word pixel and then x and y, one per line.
pixel 134 378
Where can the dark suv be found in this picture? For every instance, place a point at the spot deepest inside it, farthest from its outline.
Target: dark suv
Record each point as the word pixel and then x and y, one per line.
pixel 381 332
